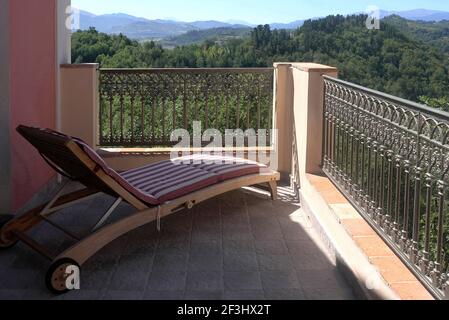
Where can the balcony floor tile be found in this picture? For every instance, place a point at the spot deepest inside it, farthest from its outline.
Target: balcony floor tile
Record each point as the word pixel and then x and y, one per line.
pixel 240 245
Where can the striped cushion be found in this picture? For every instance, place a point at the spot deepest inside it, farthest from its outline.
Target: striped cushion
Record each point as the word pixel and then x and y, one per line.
pixel 164 181
pixel 225 167
pixel 172 179
pixel 168 180
pixel 139 194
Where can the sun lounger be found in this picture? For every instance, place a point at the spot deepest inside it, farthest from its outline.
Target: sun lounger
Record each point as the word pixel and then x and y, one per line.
pixel 155 191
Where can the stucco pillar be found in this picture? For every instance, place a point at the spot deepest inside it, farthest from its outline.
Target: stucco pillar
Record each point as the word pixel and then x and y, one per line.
pixel 308 109
pixel 80 101
pixel 283 100
pixel 5 130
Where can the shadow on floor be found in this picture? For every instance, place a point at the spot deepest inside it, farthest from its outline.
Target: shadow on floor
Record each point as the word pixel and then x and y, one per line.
pixel 238 246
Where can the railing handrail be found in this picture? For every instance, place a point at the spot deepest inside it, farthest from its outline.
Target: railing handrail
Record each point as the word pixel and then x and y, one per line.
pixel 394 170
pixel 189 70
pixel 417 107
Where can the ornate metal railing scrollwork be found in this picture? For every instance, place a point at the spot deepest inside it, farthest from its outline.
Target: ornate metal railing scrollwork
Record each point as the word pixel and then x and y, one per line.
pixel 391 159
pixel 141 107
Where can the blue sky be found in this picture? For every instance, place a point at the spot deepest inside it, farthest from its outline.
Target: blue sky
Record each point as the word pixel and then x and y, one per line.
pixel 254 11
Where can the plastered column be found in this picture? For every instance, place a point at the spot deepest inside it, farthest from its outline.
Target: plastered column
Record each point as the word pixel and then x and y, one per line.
pixel 80 101
pixel 308 111
pixel 283 115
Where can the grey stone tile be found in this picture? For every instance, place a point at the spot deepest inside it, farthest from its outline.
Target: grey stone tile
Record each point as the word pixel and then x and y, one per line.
pixel 264 223
pixel 206 222
pixel 206 248
pixel 254 200
pixel 137 245
pixel 135 263
pixel 206 262
pixel 208 208
pixel 262 209
pixel 271 247
pixel 284 294
pixel 12 294
pixel 321 279
pixel 123 295
pixel 307 256
pixel 179 222
pixel 8 256
pixel 266 233
pixel 39 295
pixel 233 221
pixel 217 236
pixel 128 281
pixel 301 247
pixel 295 233
pixel 82 295
pixel 203 295
pixel 275 262
pixel 279 280
pixel 236 281
pixel 238 246
pixel 174 235
pixel 31 260
pixel 166 281
pixel 173 247
pixel 206 234
pixel 101 263
pixel 232 199
pixel 285 210
pixel 146 232
pixel 95 280
pixel 234 210
pixel 15 279
pixel 170 262
pixel 204 281
pixel 240 262
pixel 328 294
pixel 293 230
pixel 237 233
pixel 163 295
pixel 244 295
pixel 131 274
pixel 311 262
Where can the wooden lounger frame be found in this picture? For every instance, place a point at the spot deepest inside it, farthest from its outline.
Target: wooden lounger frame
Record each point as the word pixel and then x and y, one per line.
pixel 85 248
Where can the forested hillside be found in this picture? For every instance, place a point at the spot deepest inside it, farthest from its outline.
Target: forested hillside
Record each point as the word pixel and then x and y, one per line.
pixel 433 33
pixel 389 60
pixel 218 35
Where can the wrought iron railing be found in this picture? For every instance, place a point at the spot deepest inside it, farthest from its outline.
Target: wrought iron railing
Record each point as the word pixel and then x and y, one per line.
pixel 141 107
pixel 391 159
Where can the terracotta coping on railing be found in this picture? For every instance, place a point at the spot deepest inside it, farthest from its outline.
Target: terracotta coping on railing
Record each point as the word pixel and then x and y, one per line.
pixel 391 268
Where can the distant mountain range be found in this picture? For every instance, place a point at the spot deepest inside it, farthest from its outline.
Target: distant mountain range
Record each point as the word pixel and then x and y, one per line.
pixel 145 29
pixel 141 28
pixel 419 15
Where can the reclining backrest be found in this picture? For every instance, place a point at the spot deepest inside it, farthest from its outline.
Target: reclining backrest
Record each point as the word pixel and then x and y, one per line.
pixel 53 147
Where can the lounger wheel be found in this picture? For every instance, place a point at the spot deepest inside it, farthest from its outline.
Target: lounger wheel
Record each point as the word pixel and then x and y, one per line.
pixel 6 243
pixel 57 275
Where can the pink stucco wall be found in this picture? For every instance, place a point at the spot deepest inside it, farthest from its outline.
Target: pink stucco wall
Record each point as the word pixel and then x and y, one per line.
pixel 33 74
